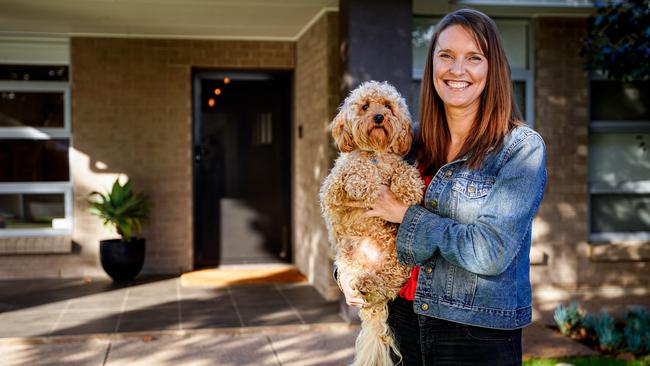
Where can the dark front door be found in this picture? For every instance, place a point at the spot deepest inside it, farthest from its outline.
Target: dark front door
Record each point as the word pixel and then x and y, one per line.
pixel 241 167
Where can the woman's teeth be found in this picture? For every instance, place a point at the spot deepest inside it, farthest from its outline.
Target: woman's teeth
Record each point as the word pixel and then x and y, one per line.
pixel 457 84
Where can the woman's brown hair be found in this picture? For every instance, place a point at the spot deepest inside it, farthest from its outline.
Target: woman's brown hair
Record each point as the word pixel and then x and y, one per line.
pixel 498 112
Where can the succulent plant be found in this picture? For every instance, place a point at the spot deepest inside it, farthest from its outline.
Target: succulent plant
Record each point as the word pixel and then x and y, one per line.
pixel 567 318
pixel 637 330
pixel 608 337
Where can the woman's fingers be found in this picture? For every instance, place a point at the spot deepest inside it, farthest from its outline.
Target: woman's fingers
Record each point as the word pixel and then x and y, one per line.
pixel 387 206
pixel 357 204
pixel 351 296
pixel 357 303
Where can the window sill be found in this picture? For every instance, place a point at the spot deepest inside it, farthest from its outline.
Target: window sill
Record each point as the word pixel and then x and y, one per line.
pixel 538 257
pixel 35 245
pixel 633 251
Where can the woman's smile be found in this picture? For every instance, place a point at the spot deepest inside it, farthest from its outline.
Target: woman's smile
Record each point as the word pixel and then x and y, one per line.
pixel 457 85
pixel 459 68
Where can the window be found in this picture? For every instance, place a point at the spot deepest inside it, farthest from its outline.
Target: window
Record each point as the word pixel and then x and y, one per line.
pixel 517 40
pixel 35 188
pixel 619 161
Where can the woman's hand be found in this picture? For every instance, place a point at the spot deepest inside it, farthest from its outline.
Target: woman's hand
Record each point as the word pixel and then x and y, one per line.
pixel 387 207
pixel 351 297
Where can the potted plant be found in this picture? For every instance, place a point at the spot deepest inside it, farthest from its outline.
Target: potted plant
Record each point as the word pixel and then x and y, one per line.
pixel 122 259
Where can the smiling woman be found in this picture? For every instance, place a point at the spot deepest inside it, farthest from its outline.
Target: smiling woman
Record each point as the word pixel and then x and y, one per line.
pixel 469 293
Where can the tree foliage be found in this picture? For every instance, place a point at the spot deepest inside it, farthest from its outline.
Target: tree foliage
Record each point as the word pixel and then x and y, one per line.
pixel 618 42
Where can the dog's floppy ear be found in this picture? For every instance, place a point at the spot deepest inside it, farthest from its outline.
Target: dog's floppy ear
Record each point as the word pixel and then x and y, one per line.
pixel 402 143
pixel 340 132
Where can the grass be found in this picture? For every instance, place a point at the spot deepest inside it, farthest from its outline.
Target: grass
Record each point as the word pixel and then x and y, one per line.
pixel 587 361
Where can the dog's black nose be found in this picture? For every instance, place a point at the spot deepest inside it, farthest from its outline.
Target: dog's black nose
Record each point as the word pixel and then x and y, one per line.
pixel 379 118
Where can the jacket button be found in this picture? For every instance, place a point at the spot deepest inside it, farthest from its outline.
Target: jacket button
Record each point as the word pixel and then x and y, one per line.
pixel 448 173
pixel 433 203
pixel 429 269
pixel 471 189
pixel 424 307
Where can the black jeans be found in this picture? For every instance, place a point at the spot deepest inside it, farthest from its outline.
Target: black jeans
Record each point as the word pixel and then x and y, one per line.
pixel 429 341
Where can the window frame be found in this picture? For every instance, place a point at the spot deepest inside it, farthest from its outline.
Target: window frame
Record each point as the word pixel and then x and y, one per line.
pixel 599 188
pixel 517 74
pixel 35 133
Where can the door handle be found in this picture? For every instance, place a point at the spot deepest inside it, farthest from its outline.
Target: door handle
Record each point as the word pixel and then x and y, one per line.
pixel 198 152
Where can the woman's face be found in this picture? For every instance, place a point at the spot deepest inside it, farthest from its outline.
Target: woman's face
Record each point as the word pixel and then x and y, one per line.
pixel 459 68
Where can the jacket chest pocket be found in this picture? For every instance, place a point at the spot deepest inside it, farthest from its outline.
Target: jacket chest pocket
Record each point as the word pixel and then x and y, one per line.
pixel 469 193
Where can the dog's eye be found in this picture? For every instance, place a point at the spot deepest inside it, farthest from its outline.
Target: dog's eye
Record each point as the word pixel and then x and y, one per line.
pixel 388 106
pixel 365 107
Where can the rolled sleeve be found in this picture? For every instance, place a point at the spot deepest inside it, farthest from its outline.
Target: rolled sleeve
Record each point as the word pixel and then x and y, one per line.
pixel 417 235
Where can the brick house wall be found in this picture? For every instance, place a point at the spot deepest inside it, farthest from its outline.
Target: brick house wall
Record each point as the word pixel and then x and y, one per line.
pixel 316 100
pixel 131 114
pixel 567 266
pixel 143 88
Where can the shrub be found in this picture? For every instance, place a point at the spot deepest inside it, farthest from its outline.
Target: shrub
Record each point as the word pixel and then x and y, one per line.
pixel 589 322
pixel 608 337
pixel 567 318
pixel 588 331
pixel 632 334
pixel 637 330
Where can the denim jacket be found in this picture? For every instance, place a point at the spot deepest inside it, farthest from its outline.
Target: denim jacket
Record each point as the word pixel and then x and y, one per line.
pixel 472 236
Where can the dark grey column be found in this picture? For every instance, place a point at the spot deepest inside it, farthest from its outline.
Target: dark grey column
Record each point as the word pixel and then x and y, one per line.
pixel 375 43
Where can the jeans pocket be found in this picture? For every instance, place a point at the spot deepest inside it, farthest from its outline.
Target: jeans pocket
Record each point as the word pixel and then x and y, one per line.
pixel 488 334
pixel 495 346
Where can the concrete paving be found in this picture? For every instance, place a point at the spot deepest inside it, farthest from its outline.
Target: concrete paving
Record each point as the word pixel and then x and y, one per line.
pixel 307 345
pixel 541 342
pixel 57 307
pixel 158 322
pixel 279 346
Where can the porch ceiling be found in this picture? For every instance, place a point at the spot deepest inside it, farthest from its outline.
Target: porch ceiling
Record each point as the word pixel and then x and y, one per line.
pixel 219 19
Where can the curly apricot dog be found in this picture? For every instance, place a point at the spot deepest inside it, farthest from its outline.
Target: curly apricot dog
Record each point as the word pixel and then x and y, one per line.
pixel 373 133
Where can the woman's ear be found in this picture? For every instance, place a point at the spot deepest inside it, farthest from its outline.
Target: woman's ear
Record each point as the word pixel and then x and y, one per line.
pixel 402 143
pixel 341 133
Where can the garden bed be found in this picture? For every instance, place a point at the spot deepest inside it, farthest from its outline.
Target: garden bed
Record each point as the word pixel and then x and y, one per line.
pixel 625 340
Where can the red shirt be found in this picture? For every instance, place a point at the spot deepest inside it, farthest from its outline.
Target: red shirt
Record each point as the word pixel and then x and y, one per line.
pixel 408 291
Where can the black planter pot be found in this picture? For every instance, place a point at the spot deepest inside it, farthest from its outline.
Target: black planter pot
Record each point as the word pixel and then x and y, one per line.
pixel 121 260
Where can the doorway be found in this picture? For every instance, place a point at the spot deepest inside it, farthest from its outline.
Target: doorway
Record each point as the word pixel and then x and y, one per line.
pixel 241 168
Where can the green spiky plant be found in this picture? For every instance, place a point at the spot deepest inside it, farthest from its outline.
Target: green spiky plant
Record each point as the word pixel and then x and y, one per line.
pixel 608 337
pixel 567 318
pixel 637 330
pixel 122 208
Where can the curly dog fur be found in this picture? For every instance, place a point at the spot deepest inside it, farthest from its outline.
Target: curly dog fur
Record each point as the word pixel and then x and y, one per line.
pixel 373 132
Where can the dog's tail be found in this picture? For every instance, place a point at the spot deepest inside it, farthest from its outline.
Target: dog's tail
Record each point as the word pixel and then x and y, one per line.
pixel 375 341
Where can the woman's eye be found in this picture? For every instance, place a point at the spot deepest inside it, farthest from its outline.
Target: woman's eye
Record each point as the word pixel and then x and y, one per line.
pixel 444 55
pixel 365 107
pixel 475 58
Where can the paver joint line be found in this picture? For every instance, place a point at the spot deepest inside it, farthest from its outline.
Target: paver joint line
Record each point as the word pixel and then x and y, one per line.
pixel 108 350
pixel 277 357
